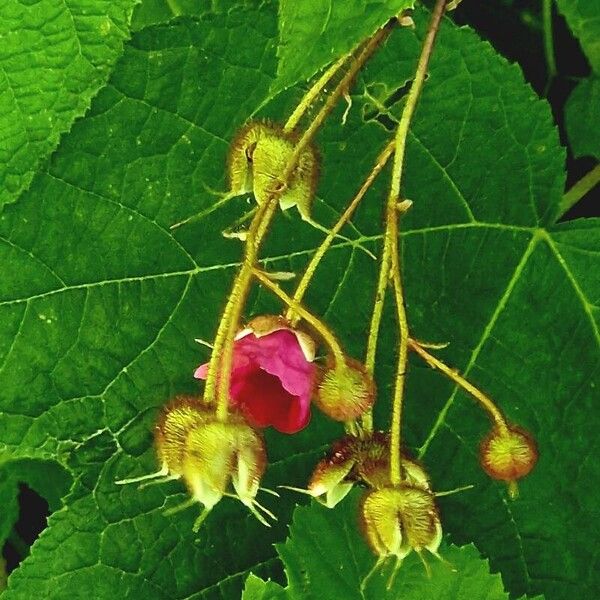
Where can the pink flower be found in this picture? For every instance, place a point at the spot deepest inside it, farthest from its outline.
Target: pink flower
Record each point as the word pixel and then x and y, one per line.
pixel 273 374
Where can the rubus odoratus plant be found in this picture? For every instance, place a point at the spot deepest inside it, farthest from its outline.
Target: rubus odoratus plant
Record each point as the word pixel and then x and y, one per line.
pixel 266 372
pixel 264 286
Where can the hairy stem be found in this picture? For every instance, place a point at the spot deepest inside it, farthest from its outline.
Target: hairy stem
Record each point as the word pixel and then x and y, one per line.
pixel 344 218
pixel 222 355
pixel 586 184
pixel 316 323
pixel 313 93
pixel 392 232
pixel 485 401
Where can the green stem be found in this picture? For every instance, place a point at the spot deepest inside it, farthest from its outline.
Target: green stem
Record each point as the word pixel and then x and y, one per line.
pixel 222 355
pixel 344 218
pixel 586 184
pixel 392 232
pixel 312 94
pixel 485 401
pixel 549 39
pixel 317 324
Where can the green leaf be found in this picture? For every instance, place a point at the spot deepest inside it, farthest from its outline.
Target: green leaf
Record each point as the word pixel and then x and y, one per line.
pixel 54 58
pixel 325 557
pixel 257 589
pixel 100 303
pixel 583 17
pixel 313 33
pixel 153 12
pixel 582 118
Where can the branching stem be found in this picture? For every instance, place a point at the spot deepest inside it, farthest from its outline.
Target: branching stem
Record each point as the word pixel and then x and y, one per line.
pixel 344 218
pixel 392 232
pixel 316 323
pixel 222 355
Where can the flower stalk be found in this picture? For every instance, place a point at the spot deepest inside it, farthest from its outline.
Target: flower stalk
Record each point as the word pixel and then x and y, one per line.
pixel 391 267
pixel 222 355
pixel 485 401
pixel 318 325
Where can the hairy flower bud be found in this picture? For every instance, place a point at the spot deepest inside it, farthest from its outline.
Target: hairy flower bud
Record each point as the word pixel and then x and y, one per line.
pixel 359 460
pixel 345 391
pixel 217 453
pixel 508 455
pixel 396 520
pixel 258 158
pixel 176 420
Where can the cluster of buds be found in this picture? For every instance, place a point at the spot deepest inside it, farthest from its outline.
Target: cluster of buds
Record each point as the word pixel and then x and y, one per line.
pixel 395 519
pixel 272 376
pixel 210 456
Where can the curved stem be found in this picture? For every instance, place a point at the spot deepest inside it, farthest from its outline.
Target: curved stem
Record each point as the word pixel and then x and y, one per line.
pixel 317 324
pixel 485 401
pixel 222 355
pixel 223 349
pixel 392 232
pixel 344 218
pixel 398 397
pixel 382 282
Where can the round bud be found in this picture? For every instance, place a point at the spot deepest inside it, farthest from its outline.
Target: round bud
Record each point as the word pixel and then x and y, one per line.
pixel 176 420
pixel 508 455
pixel 346 391
pixel 396 520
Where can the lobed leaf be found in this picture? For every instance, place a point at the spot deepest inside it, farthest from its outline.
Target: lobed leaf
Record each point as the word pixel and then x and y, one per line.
pixel 325 557
pixel 100 303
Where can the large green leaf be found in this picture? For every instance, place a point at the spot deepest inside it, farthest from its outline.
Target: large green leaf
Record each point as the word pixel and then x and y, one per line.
pixel 313 33
pixel 582 118
pixel 54 56
pixel 100 303
pixel 326 559
pixel 583 17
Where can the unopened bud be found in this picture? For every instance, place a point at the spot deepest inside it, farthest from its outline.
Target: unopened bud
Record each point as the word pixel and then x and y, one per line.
pixel 258 157
pixel 217 453
pixel 177 419
pixel 508 454
pixel 346 391
pixel 399 519
pixel 328 482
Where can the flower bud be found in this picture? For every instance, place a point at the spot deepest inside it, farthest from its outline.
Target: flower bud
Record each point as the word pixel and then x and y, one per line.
pixel 373 464
pixel 396 520
pixel 363 460
pixel 176 420
pixel 508 455
pixel 258 158
pixel 330 482
pixel 217 453
pixel 346 391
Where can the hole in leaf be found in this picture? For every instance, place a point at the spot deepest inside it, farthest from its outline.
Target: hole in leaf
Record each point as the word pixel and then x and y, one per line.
pixel 30 490
pixel 33 518
pixel 379 105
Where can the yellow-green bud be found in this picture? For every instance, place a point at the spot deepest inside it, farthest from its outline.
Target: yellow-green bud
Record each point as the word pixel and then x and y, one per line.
pixel 345 391
pixel 258 157
pixel 397 520
pixel 508 455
